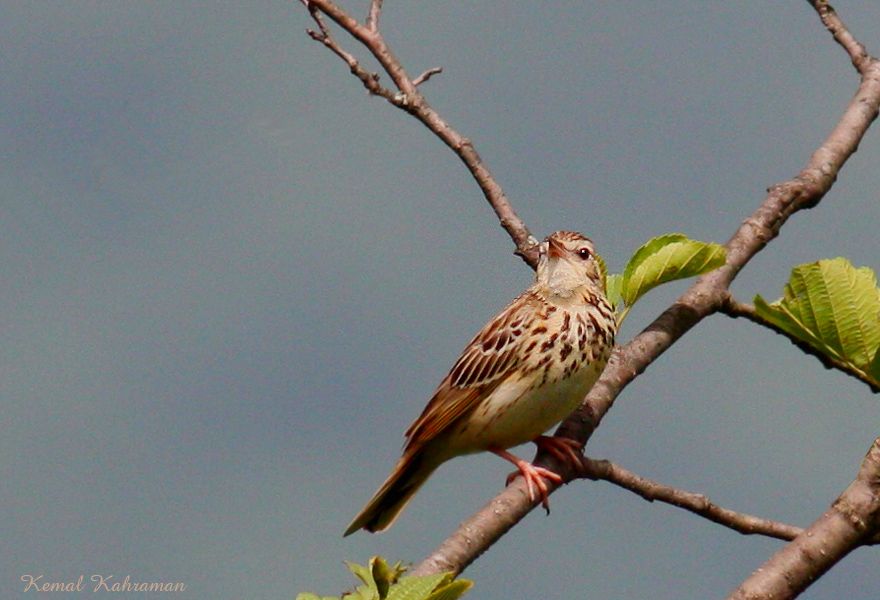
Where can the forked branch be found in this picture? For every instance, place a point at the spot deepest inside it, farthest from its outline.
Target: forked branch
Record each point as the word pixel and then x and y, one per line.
pixel 409 98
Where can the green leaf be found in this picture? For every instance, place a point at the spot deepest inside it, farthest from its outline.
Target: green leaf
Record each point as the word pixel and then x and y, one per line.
pixel 613 284
pixel 385 582
pixel 417 588
pixel 368 591
pixel 603 268
pixel 362 593
pixel 384 576
pixel 667 258
pixel 440 586
pixel 453 591
pixel 361 572
pixel 835 308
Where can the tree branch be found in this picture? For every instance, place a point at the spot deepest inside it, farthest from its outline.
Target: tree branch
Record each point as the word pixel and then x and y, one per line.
pixel 698 504
pixel 706 296
pixel 735 309
pixel 850 522
pixel 373 15
pixel 409 98
pixel 427 75
pixel 690 501
pixel 370 80
pixel 861 60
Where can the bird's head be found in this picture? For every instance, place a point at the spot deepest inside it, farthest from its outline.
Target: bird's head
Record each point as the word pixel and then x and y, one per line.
pixel 568 261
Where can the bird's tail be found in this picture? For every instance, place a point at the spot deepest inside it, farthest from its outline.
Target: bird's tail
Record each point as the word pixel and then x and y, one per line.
pixel 410 472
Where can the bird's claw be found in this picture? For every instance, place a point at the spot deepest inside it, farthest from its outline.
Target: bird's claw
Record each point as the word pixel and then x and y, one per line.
pixel 565 450
pixel 535 478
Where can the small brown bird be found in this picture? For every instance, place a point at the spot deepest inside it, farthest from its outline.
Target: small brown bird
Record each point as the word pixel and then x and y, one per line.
pixel 524 372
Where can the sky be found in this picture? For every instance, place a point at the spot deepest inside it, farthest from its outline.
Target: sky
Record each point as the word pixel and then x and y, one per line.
pixel 231 279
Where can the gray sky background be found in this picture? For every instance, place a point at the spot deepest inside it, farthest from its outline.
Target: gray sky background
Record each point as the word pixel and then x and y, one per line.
pixel 231 280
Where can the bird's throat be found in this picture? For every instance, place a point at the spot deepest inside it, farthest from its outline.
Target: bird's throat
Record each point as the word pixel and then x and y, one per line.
pixel 562 282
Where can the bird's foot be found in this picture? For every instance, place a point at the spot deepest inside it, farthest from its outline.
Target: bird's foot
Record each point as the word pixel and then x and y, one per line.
pixel 565 450
pixel 533 475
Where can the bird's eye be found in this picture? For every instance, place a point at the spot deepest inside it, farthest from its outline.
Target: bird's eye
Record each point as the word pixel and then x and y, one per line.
pixel 584 253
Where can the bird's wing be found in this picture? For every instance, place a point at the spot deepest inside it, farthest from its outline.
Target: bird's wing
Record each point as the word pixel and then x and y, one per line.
pixel 493 353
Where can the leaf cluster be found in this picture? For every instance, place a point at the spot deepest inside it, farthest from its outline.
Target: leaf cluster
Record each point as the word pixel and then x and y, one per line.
pixel 832 308
pixel 382 581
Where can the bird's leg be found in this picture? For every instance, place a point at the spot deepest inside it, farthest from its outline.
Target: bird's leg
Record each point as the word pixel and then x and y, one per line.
pixel 533 475
pixel 565 450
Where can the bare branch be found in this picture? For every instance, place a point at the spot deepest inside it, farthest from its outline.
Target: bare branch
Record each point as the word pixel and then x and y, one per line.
pixel 690 501
pixel 370 80
pixel 409 98
pixel 735 309
pixel 427 75
pixel 850 522
pixel 705 297
pixel 373 16
pixel 861 60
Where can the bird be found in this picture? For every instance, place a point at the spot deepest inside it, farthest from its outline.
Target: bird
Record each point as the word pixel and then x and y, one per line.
pixel 525 371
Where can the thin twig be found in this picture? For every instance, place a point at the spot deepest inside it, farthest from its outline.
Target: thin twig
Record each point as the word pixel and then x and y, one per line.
pixel 690 501
pixel 409 98
pixel 373 15
pixel 697 503
pixel 370 80
pixel 861 60
pixel 427 75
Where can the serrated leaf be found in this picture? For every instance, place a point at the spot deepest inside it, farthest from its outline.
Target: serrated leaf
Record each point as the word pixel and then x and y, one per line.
pixel 781 316
pixel 417 588
pixel 453 591
pixel 834 308
pixel 667 258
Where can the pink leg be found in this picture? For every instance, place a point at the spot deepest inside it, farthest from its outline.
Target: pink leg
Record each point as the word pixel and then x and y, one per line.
pixel 533 475
pixel 564 449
